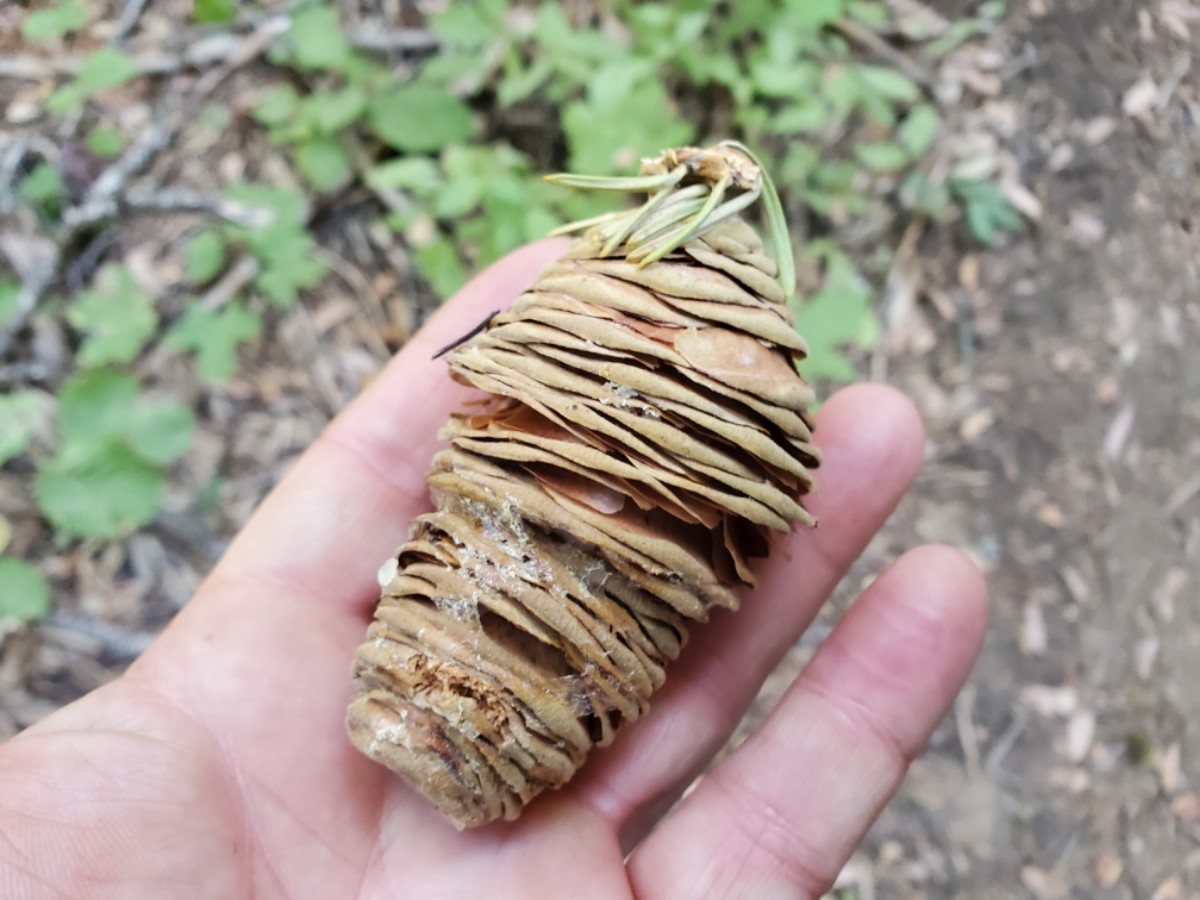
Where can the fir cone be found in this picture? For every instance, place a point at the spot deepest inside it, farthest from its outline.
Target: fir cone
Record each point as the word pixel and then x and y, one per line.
pixel 646 429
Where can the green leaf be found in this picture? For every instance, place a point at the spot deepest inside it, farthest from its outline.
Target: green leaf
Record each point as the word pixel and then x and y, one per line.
pixel 318 39
pixel 881 156
pixel 988 210
pixel 22 414
pixel 103 404
pixel 105 141
pixel 160 431
pixel 105 68
pixel 328 112
pixel 608 139
pixel 842 87
pixel 211 12
pixel 919 128
pixel 205 256
pixel 117 318
pixel 807 115
pixel 439 263
pixel 419 118
pixel 889 84
pixel 814 13
pixel 99 488
pixel 414 173
pixel 458 196
pixel 215 336
pixel 518 83
pixel 24 593
pixel 43 185
pixel 95 404
pixel 838 316
pixel 277 106
pixel 10 300
pixel 60 19
pixel 921 193
pixel 323 163
pixel 463 25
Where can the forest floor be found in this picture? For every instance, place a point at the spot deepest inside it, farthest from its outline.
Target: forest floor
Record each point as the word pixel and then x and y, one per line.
pixel 1061 391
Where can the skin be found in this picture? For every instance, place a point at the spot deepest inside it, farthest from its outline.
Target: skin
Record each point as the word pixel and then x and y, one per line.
pixel 218 765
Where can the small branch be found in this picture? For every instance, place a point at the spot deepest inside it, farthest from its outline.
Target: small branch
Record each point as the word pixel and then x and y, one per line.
pixel 868 39
pixel 130 13
pixel 376 39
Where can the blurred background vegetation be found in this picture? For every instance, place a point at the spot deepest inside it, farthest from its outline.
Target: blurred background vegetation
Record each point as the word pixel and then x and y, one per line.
pixel 445 125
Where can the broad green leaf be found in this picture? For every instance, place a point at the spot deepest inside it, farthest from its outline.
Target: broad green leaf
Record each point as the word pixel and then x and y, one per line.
pixel 605 140
pixel 988 210
pixel 463 25
pixel 99 488
pixel 105 68
pixel 22 414
pixel 839 315
pixel 519 82
pixel 890 84
pixel 919 129
pixel 418 118
pixel 159 431
pixel 806 115
pixel 881 156
pixel 215 336
pixel 318 39
pixel 210 12
pixel 60 19
pixel 24 593
pixel 323 163
pixel 414 173
pixel 814 13
pixel 439 263
pixel 43 185
pixel 10 299
pixel 328 112
pixel 458 196
pixel 869 13
pixel 105 141
pixel 117 318
pixel 95 403
pixel 842 87
pixel 205 256
pixel 277 106
pixel 921 193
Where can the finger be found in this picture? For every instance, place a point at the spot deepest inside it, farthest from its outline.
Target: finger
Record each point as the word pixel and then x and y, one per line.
pixel 347 503
pixel 784 812
pixel 872 441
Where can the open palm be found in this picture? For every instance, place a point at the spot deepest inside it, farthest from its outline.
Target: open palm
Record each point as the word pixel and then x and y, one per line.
pixel 218 765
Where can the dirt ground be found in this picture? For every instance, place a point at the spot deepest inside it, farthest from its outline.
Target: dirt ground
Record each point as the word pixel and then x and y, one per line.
pixel 1062 401
pixel 1064 454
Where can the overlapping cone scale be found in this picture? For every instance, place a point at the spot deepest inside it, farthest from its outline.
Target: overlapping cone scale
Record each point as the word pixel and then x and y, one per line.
pixel 646 430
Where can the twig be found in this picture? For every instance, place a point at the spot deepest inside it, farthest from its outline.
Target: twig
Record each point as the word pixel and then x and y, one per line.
pixel 35 261
pixel 102 199
pixel 385 40
pixel 206 51
pixel 187 201
pixel 234 279
pixel 130 13
pixel 865 37
pixel 115 641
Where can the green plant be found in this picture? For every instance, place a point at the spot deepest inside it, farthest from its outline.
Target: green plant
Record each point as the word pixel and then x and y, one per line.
pixel 456 148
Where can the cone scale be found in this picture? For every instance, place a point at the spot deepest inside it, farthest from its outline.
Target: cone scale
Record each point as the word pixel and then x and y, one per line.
pixel 646 431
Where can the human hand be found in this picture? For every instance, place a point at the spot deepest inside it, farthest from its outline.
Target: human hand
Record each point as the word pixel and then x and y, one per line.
pixel 218 765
